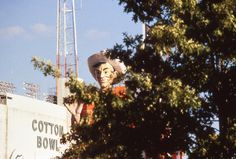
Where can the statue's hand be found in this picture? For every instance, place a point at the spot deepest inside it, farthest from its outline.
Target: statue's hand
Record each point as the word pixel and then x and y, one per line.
pixel 75 109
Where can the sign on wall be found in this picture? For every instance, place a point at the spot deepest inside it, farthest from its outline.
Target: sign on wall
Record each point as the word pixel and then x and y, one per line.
pixel 33 128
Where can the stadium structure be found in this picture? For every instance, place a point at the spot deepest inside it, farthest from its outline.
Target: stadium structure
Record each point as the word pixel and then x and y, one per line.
pixel 31 128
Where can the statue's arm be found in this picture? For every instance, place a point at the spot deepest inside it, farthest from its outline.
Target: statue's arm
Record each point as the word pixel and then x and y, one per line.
pixel 75 109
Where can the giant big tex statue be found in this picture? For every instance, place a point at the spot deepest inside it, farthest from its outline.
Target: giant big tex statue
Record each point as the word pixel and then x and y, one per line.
pixel 106 72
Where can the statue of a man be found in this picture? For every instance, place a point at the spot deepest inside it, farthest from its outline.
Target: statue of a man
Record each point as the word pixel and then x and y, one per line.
pixel 106 72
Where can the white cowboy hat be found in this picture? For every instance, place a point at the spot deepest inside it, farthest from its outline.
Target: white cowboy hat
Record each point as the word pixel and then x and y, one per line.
pixel 99 58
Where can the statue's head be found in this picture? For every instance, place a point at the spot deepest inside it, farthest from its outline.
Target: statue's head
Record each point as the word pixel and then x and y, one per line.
pixel 106 71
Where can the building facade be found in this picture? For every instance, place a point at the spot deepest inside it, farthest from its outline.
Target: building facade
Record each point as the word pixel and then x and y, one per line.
pixel 31 128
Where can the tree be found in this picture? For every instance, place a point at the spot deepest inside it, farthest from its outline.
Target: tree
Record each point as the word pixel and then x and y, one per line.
pixel 198 40
pixel 180 79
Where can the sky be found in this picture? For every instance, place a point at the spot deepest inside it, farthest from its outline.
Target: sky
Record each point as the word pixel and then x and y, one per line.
pixel 28 28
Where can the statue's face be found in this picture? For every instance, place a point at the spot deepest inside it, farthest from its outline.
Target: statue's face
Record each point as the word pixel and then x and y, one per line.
pixel 105 75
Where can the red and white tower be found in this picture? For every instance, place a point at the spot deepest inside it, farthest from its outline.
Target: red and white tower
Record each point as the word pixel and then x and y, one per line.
pixel 66 51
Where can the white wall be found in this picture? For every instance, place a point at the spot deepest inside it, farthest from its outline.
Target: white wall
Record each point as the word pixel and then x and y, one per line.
pixel 2 131
pixel 34 128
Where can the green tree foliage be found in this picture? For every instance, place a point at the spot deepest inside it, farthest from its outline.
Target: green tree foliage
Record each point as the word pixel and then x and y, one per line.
pixel 180 79
pixel 196 44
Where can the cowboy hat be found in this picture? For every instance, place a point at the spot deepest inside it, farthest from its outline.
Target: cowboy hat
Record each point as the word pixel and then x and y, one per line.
pixel 99 58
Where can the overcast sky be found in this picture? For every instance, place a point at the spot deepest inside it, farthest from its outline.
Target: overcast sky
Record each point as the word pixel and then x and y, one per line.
pixel 28 28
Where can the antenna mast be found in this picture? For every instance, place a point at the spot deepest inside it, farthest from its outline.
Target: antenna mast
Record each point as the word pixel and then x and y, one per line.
pixel 66 51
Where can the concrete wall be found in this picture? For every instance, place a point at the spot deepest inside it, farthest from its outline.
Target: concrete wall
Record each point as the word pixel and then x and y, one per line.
pixel 31 129
pixel 3 131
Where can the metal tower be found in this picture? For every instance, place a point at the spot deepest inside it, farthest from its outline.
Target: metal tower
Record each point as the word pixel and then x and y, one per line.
pixel 66 51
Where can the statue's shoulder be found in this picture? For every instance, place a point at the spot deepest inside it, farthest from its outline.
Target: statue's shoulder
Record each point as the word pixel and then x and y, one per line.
pixel 119 90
